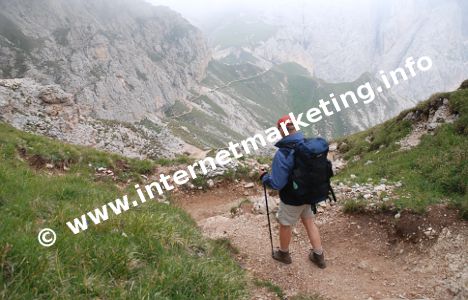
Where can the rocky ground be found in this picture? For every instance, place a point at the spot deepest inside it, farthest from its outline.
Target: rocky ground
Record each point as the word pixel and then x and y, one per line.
pixel 49 110
pixel 370 256
pixel 438 115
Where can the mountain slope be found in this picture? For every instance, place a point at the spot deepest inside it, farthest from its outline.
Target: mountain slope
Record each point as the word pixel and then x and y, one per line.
pixel 247 98
pixel 138 80
pixel 122 60
pixel 98 73
pixel 432 170
pixel 153 252
pixel 340 41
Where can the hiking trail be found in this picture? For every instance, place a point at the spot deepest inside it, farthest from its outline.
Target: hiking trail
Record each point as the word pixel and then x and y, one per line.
pixel 367 255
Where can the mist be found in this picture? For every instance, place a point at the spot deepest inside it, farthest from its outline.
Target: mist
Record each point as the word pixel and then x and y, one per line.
pixel 203 12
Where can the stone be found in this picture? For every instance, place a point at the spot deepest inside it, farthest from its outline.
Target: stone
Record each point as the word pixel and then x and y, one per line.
pixel 259 205
pixel 409 116
pixel 380 188
pixel 52 94
pixel 249 185
pixel 49 166
pixel 210 183
pixel 431 126
pixel 363 265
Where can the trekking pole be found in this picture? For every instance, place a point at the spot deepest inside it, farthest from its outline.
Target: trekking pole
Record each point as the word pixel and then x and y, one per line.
pixel 268 216
pixel 333 193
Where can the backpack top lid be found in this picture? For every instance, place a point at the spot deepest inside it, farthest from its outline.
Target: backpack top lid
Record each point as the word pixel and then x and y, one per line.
pixel 313 146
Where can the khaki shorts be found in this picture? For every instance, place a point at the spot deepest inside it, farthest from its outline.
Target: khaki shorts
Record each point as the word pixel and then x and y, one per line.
pixel 289 214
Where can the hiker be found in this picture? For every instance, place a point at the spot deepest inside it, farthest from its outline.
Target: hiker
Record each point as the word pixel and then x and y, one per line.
pixel 292 207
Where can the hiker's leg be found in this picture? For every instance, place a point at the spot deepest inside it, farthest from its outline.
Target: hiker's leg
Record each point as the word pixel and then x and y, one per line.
pixel 312 232
pixel 287 217
pixel 285 237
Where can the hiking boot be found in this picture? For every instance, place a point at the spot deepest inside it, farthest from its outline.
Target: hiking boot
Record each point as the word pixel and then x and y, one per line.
pixel 281 256
pixel 317 259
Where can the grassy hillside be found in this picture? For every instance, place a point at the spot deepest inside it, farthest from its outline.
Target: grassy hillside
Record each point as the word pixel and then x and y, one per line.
pixel 154 251
pixel 289 87
pixel 435 171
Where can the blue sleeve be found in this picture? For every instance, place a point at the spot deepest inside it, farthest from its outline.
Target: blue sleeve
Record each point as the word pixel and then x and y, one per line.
pixel 283 163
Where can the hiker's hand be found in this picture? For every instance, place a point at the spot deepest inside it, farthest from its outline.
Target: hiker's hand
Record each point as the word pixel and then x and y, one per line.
pixel 263 174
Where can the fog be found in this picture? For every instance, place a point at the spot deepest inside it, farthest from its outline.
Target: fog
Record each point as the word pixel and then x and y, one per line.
pixel 201 12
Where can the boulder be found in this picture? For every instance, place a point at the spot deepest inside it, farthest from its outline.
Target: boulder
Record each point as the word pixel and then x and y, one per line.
pixel 52 94
pixel 259 205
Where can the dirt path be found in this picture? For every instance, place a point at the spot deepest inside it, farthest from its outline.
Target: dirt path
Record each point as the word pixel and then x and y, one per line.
pixel 366 259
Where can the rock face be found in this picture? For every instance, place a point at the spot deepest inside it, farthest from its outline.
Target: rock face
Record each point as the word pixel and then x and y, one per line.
pixel 50 111
pixel 135 79
pixel 99 73
pixel 121 60
pixel 338 42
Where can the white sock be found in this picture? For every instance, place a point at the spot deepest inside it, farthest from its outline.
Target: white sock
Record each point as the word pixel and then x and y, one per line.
pixel 318 251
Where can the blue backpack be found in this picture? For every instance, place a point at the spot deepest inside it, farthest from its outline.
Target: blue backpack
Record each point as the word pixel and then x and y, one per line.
pixel 309 182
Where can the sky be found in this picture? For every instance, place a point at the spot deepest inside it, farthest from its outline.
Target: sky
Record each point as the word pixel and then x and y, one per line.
pixel 196 10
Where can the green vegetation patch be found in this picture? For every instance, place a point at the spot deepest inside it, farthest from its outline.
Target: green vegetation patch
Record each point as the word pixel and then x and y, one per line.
pixel 153 252
pixel 435 171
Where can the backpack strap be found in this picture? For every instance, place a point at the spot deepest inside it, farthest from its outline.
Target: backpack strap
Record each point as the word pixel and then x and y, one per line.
pixel 291 146
pixel 287 148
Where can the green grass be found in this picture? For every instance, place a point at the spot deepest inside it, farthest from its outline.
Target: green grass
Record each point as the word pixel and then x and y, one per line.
pixel 154 251
pixel 236 208
pixel 264 160
pixel 436 171
pixel 203 130
pixel 176 109
pixel 271 287
pixel 292 69
pixel 280 294
pixel 178 160
pixel 354 206
pixel 213 106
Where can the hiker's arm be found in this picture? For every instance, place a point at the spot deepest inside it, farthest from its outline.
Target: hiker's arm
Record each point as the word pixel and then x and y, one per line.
pixel 280 169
